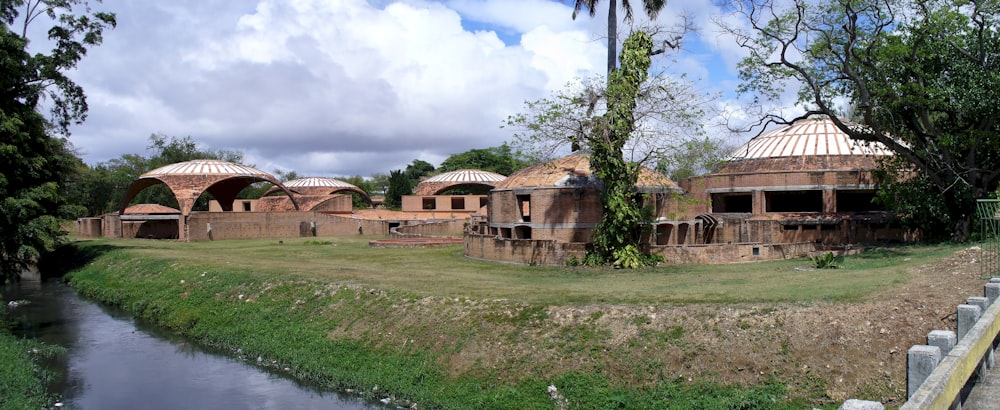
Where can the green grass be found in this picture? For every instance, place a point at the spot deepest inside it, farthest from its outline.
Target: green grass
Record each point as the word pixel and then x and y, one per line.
pixel 443 271
pixel 22 380
pixel 422 323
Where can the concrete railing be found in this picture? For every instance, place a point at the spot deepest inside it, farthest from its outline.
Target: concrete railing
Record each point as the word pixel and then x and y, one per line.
pixel 937 373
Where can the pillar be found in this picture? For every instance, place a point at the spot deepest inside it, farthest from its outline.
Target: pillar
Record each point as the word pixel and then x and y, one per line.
pixel 920 363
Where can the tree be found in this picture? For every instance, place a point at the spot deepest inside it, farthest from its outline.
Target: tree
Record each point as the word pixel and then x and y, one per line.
pixel 33 148
pixel 418 169
pixel 921 76
pixel 669 112
pixel 399 185
pixel 494 159
pixel 366 185
pixel 616 237
pixel 652 8
pixel 693 157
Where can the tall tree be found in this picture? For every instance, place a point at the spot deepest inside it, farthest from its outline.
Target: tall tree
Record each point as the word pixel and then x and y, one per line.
pixel 616 237
pixel 33 148
pixel 652 8
pixel 399 185
pixel 920 74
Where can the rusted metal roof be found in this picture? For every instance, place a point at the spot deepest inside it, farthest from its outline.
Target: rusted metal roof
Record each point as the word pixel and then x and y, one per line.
pixel 468 176
pixel 573 171
pixel 206 167
pixel 807 137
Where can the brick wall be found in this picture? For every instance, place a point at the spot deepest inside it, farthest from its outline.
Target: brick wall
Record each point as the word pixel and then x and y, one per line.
pixel 248 225
pixel 525 252
pixel 89 227
pixel 435 228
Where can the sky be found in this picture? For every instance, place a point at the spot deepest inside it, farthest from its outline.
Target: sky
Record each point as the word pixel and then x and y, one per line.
pixel 350 87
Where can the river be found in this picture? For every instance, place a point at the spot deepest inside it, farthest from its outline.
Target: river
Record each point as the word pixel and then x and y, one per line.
pixel 113 362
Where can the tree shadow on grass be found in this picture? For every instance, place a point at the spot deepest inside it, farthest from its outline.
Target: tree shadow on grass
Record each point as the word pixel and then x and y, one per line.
pixel 69 257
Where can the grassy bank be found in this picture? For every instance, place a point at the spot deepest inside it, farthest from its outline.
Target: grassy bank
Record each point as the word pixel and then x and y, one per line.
pixel 22 380
pixel 430 327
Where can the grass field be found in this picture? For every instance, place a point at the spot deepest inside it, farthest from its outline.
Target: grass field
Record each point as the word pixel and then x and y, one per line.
pixel 443 271
pixel 427 325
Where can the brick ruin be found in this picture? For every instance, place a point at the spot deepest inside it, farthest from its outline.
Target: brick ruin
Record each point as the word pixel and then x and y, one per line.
pixel 793 191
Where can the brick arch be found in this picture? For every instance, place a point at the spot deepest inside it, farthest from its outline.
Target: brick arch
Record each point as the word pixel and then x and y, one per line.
pixel 187 188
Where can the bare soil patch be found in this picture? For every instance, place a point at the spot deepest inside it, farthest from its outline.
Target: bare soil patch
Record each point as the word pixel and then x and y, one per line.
pixel 837 350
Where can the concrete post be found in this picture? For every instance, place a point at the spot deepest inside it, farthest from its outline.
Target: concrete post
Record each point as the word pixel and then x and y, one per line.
pixel 980 301
pixel 942 339
pixel 967 317
pixel 920 363
pixel 855 404
pixel 992 291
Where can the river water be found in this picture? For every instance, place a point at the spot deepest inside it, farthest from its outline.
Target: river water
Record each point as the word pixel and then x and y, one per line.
pixel 113 362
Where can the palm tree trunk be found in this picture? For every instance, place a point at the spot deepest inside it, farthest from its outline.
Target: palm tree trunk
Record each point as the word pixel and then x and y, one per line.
pixel 612 36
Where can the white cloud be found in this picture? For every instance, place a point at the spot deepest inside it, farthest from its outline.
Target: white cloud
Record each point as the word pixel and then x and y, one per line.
pixel 349 87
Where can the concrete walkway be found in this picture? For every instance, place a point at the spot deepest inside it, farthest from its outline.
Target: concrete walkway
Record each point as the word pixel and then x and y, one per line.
pixel 985 393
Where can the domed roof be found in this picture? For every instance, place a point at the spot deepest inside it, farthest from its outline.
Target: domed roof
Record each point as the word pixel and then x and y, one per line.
pixel 205 167
pixel 317 186
pixel 467 176
pixel 455 179
pixel 806 144
pixel 318 182
pixel 811 136
pixel 573 171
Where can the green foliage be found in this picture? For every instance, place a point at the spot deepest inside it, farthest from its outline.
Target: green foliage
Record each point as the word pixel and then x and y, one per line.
pixel 494 159
pixel 616 237
pixel 22 379
pixel 399 185
pixel 418 169
pixel 694 157
pixel 35 154
pixel 367 185
pixel 920 77
pixel 914 200
pixel 828 260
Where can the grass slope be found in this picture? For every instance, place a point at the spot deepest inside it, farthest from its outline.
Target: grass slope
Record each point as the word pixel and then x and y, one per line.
pixel 430 327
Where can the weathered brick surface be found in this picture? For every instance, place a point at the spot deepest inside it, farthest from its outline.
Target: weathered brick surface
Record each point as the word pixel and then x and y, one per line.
pixel 246 225
pixel 89 227
pixel 434 228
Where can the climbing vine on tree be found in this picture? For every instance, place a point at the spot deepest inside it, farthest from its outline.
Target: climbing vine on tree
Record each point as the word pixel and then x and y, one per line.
pixel 616 237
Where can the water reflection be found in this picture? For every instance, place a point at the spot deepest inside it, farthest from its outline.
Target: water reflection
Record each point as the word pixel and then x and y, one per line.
pixel 112 363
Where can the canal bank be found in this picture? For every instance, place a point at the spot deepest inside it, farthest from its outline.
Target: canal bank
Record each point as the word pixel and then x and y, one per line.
pixel 107 360
pixel 432 352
